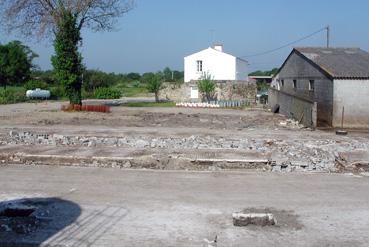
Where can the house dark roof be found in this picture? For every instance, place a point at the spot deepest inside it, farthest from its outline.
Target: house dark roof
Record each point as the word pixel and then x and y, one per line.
pixel 339 63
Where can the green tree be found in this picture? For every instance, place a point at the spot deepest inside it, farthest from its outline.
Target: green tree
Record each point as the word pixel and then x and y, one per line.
pixel 206 86
pixel 63 20
pixel 134 76
pixel 154 84
pixel 15 63
pixel 3 65
pixel 178 75
pixel 262 86
pixel 167 73
pixel 264 73
pixel 67 61
pixel 93 79
pixel 46 76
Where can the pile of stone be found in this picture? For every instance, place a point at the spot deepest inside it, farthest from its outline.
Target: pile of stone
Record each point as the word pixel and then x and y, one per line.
pixel 291 123
pixel 286 155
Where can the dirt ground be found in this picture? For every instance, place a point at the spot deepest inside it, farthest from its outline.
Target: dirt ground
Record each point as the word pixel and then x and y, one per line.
pixel 207 155
pixel 49 114
pixel 113 207
pixel 166 137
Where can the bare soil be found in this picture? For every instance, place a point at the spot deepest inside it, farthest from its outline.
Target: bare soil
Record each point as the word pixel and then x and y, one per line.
pixel 174 132
pixel 49 114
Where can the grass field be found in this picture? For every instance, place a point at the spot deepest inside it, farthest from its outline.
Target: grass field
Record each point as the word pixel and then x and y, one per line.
pixel 134 92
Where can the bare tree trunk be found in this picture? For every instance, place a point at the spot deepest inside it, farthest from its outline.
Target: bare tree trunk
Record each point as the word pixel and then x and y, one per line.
pixel 156 97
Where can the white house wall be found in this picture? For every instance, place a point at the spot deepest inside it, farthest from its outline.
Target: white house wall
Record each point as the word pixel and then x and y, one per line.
pixel 352 95
pixel 241 70
pixel 220 65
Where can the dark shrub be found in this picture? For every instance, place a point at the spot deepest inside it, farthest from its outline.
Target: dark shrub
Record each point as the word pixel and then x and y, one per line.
pixel 12 95
pixel 107 93
pixel 33 84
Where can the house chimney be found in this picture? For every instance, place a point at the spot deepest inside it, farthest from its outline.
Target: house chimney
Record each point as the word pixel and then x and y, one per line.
pixel 218 47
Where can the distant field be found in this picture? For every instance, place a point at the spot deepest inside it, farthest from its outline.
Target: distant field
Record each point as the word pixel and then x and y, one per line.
pixel 133 91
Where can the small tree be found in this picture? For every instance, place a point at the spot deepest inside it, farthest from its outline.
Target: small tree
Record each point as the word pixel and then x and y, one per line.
pixel 206 86
pixel 154 84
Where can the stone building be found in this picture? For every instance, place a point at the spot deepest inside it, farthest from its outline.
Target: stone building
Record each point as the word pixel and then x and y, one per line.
pixel 324 87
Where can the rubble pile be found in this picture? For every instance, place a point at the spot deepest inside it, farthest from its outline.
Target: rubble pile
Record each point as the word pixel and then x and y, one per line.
pixel 286 155
pixel 291 123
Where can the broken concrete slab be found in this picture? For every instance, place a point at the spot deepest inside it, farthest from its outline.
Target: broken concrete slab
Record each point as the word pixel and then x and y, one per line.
pixel 353 161
pixel 120 157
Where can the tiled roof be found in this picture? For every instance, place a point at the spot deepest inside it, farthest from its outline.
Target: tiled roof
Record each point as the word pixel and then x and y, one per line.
pixel 339 63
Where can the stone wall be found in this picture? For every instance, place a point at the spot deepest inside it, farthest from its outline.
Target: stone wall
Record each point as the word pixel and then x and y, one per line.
pixel 177 93
pixel 292 106
pixel 225 90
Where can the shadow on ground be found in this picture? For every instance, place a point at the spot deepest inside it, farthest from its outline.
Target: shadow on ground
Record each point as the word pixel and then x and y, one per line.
pixel 32 221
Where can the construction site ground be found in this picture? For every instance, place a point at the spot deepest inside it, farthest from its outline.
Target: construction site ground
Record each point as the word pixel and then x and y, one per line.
pixel 174 138
pixel 174 176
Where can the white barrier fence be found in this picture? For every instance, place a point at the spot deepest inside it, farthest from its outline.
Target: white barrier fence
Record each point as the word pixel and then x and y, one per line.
pixel 215 104
pixel 197 105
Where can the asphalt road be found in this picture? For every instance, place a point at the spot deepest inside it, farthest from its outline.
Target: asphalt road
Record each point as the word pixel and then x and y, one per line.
pixel 167 208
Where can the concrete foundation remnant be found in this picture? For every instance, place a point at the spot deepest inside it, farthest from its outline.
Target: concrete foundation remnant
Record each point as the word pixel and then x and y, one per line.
pixel 259 219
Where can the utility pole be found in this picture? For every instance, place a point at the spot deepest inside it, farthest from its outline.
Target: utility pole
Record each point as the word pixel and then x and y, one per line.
pixel 328 35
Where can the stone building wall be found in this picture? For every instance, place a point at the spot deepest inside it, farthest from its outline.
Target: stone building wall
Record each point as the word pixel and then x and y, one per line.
pixel 225 90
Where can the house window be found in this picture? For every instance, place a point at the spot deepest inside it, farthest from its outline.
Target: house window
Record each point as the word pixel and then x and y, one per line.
pixel 294 84
pixel 311 85
pixel 199 65
pixel 282 83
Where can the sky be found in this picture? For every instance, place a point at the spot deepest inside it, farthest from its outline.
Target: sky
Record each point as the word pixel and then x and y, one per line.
pixel 158 34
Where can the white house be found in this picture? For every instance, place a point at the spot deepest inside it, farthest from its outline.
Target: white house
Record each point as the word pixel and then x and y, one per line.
pixel 221 66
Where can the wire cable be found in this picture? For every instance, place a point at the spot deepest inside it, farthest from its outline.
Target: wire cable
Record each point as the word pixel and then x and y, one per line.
pixel 284 46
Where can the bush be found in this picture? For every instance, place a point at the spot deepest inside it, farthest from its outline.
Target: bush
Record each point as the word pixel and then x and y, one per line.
pixel 207 86
pixel 12 95
pixel 88 94
pixel 107 93
pixel 57 92
pixel 33 84
pixel 136 84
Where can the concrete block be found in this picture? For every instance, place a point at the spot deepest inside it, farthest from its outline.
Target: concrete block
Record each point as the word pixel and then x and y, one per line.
pixel 259 219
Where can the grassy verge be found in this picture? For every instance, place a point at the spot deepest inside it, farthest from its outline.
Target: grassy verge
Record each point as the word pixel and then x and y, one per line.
pixel 150 104
pixel 134 92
